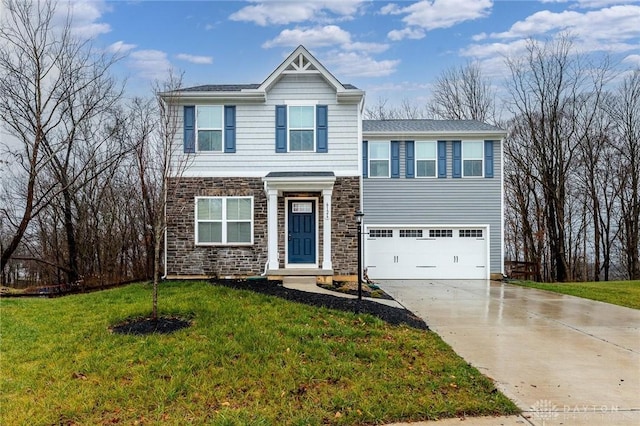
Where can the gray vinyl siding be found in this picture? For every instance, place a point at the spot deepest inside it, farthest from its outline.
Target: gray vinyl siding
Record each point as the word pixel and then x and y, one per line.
pixel 255 135
pixel 449 201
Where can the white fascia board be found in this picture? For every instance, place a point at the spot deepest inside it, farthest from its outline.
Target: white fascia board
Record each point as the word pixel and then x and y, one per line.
pixel 350 96
pixel 243 96
pixel 434 135
pixel 259 174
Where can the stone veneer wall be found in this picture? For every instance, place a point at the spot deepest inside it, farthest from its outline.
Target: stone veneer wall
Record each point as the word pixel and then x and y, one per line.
pixel 184 258
pixel 345 202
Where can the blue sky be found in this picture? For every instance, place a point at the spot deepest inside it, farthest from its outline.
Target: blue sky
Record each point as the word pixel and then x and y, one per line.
pixel 391 49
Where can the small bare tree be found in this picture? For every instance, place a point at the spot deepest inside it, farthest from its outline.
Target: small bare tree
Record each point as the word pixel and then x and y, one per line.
pixel 154 128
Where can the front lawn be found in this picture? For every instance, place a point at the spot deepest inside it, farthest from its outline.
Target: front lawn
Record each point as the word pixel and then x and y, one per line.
pixel 247 358
pixel 623 293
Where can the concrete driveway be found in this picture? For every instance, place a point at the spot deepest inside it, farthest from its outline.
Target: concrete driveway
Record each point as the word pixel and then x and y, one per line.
pixel 561 359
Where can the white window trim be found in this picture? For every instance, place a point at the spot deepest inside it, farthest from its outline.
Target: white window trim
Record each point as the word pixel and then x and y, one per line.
pixel 313 129
pixel 224 221
pixel 416 159
pixel 462 160
pixel 369 159
pixel 210 128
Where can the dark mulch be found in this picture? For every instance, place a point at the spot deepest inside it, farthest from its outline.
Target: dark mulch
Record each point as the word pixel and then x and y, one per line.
pixel 389 314
pixel 142 326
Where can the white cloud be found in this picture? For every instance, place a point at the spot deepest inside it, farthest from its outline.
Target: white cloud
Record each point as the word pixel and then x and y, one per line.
pixel 194 59
pixel 615 24
pixel 86 15
pixel 428 15
pixel 150 64
pixel 634 60
pixel 329 35
pixel 614 29
pixel 355 64
pixel 591 3
pixel 120 47
pixel 410 33
pixel 265 13
pixel 366 47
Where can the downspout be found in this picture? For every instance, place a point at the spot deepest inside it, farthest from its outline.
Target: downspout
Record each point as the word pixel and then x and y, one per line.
pixel 164 277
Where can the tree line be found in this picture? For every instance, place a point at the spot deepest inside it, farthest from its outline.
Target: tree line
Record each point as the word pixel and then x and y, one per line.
pixel 84 173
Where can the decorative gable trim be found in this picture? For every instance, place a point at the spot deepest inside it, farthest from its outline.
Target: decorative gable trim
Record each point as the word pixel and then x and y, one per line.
pixel 300 62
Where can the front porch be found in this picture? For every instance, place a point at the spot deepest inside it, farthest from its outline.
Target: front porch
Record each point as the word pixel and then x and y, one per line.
pixel 299 220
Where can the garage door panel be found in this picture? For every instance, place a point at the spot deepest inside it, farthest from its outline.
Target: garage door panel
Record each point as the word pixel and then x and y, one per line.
pixel 418 253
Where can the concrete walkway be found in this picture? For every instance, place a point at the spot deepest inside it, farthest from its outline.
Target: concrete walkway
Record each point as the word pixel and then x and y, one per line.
pixel 563 360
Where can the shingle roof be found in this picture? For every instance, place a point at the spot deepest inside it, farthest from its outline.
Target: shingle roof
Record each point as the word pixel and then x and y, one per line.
pixel 220 88
pixel 424 125
pixel 299 174
pixel 236 87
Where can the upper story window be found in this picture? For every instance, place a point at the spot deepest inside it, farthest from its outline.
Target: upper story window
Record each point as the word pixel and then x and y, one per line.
pixel 426 159
pixel 224 220
pixel 379 159
pixel 472 158
pixel 209 128
pixel 301 128
pixel 209 124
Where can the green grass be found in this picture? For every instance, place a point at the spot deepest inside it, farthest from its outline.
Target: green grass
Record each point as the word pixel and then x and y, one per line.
pixel 623 293
pixel 247 359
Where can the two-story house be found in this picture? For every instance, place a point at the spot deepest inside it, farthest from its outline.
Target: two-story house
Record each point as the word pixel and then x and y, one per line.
pixel 276 171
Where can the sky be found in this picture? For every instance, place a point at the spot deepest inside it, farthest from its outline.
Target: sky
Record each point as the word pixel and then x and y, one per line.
pixel 391 49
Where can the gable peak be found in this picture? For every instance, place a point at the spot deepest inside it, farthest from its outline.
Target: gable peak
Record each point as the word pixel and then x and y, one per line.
pixel 301 63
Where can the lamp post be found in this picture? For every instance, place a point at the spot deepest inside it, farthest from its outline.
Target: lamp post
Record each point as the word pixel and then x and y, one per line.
pixel 358 217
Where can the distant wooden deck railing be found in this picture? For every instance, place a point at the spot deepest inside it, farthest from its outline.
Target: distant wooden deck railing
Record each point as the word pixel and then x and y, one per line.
pixel 522 270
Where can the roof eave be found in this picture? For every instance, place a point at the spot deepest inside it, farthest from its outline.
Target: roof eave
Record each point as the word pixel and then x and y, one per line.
pixel 434 134
pixel 350 96
pixel 243 96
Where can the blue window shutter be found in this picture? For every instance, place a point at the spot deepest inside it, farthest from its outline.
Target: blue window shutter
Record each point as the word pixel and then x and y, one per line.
pixel 395 159
pixel 189 125
pixel 442 159
pixel 488 159
pixel 322 129
pixel 229 128
pixel 457 159
pixel 281 128
pixel 365 159
pixel 410 159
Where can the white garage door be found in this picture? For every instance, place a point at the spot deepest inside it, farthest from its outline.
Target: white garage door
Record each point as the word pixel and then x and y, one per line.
pixel 458 252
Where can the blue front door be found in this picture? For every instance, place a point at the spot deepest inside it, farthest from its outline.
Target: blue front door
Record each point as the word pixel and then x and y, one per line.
pixel 302 231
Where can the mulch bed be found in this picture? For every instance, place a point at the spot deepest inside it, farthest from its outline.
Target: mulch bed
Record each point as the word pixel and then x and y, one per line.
pixel 389 314
pixel 143 326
